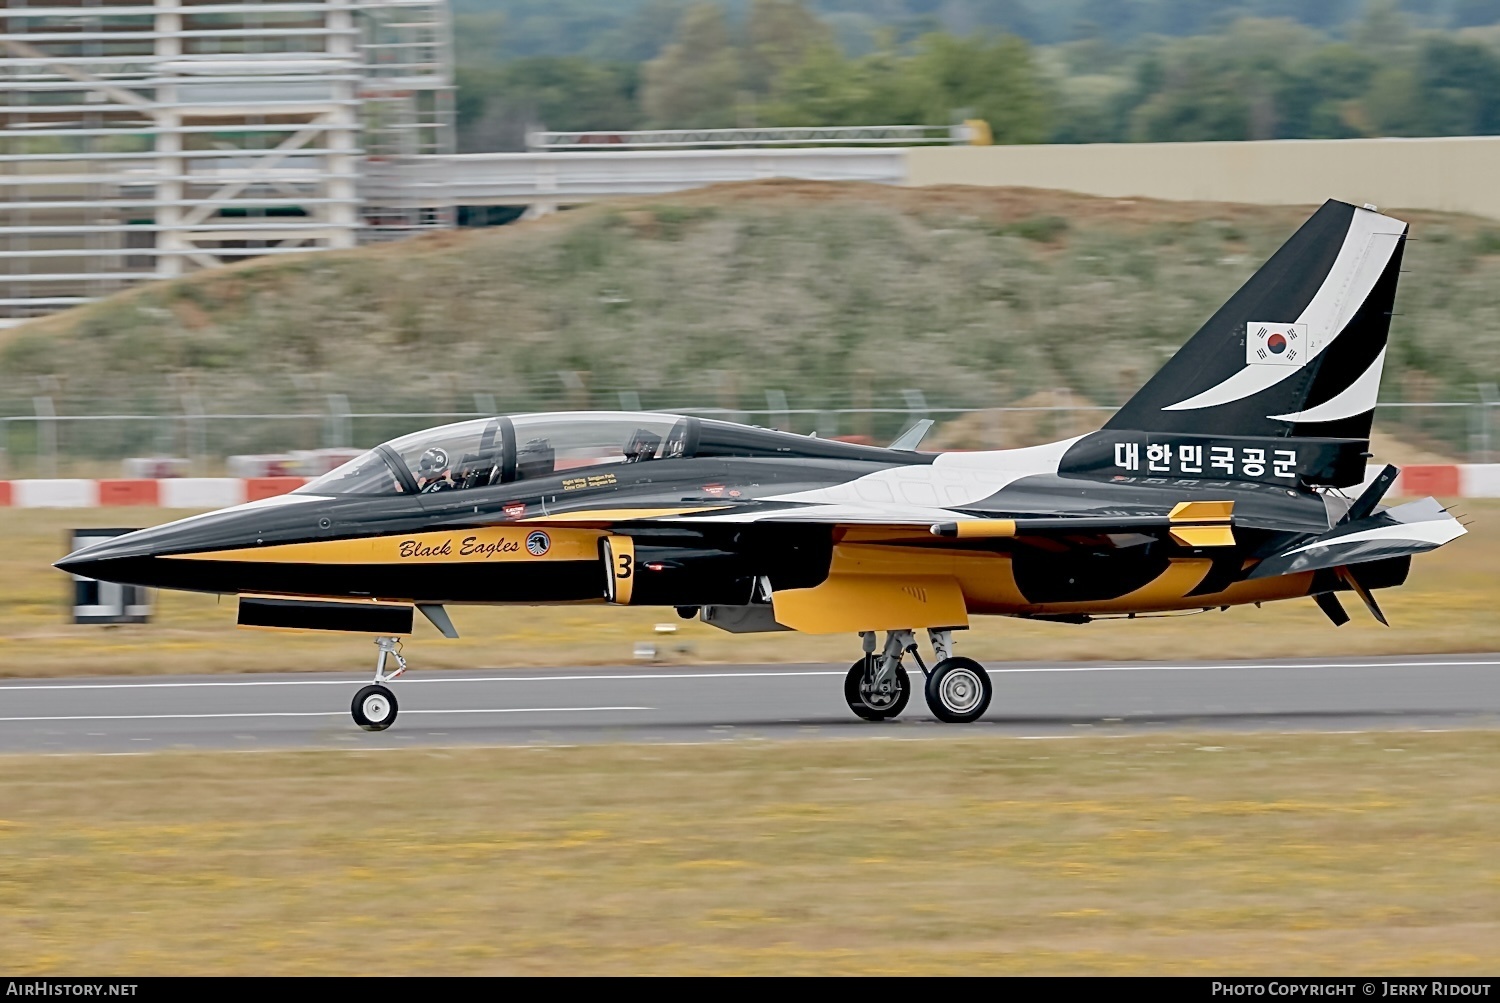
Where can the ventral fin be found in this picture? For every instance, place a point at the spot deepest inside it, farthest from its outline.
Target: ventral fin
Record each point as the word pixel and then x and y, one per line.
pixel 1332 608
pixel 1358 588
pixel 439 618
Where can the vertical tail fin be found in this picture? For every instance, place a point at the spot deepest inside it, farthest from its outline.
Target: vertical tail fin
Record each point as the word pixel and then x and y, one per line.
pixel 1298 350
pixel 1280 385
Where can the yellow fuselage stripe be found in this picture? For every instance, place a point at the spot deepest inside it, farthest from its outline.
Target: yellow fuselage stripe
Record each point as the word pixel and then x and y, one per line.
pixel 490 544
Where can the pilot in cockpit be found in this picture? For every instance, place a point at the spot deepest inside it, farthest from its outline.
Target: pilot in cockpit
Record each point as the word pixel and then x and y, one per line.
pixel 434 472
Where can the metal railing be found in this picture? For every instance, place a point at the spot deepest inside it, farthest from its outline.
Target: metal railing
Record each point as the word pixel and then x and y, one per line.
pixel 840 135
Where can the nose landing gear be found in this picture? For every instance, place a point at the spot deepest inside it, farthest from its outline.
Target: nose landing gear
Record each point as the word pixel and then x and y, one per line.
pixel 374 707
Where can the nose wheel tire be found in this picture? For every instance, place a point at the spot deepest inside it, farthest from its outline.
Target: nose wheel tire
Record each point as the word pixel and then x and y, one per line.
pixel 876 702
pixel 958 690
pixel 374 708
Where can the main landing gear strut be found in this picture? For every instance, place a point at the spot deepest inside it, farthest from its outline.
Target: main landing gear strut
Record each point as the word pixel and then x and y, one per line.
pixel 877 687
pixel 374 707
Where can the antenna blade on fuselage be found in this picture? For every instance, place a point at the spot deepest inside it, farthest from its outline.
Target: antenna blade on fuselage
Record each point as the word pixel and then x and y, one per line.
pixel 912 437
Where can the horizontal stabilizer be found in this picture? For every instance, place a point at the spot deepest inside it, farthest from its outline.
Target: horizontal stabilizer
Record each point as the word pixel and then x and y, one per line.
pixel 1413 528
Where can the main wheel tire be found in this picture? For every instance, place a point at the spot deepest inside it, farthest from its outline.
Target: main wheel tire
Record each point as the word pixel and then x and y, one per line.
pixel 958 690
pixel 876 705
pixel 374 708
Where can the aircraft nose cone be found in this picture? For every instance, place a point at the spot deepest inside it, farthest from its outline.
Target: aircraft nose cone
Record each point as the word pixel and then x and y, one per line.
pixel 101 551
pixel 76 563
pixel 103 560
pixel 79 562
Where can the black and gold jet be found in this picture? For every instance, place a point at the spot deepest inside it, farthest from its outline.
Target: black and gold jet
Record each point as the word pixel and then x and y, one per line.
pixel 1236 475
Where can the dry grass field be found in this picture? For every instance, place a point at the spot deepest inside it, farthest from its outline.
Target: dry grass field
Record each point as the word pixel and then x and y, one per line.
pixel 1448 605
pixel 1338 854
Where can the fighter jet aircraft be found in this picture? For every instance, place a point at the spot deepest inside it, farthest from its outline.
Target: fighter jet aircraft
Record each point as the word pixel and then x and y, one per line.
pixel 1236 475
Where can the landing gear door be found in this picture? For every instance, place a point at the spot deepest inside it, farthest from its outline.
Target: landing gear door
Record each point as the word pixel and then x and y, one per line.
pixel 619 568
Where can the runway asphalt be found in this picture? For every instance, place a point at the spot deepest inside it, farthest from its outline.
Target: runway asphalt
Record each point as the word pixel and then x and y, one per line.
pixel 701 704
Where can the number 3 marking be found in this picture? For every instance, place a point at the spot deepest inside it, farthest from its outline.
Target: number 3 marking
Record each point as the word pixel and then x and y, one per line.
pixel 625 563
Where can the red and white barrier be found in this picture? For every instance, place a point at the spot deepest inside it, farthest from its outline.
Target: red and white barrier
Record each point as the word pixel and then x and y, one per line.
pixel 1479 480
pixel 1442 480
pixel 200 492
pixel 54 494
pixel 183 492
pixel 1449 480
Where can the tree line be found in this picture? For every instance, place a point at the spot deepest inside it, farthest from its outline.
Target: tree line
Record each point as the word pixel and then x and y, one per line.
pixel 1386 71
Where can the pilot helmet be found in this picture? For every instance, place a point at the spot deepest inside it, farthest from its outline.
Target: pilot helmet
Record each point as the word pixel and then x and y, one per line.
pixel 433 462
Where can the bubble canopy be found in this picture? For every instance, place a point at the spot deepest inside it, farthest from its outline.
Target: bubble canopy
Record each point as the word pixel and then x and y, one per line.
pixel 486 452
pixel 503 450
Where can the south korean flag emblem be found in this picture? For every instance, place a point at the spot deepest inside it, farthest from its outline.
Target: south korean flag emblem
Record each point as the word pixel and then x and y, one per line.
pixel 1268 344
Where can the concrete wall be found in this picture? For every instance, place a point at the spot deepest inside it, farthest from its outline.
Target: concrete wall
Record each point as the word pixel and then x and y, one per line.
pixel 1460 174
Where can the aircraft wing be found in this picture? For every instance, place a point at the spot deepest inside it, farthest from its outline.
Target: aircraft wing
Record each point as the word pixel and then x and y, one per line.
pixel 1191 524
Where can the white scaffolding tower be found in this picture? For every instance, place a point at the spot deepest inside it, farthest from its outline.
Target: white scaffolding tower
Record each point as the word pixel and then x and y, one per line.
pixel 407 97
pixel 140 139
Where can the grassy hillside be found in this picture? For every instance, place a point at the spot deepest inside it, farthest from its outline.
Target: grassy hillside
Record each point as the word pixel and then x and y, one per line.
pixel 837 295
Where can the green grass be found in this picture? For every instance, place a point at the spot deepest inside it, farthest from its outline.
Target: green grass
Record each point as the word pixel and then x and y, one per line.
pixel 1448 605
pixel 1253 854
pixel 828 292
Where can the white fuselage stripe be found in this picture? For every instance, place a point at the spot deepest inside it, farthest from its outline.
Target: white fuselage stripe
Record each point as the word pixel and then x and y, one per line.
pixel 912 494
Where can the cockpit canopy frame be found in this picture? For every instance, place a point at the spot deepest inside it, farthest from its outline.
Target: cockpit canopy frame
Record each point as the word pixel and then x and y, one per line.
pixel 485 452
